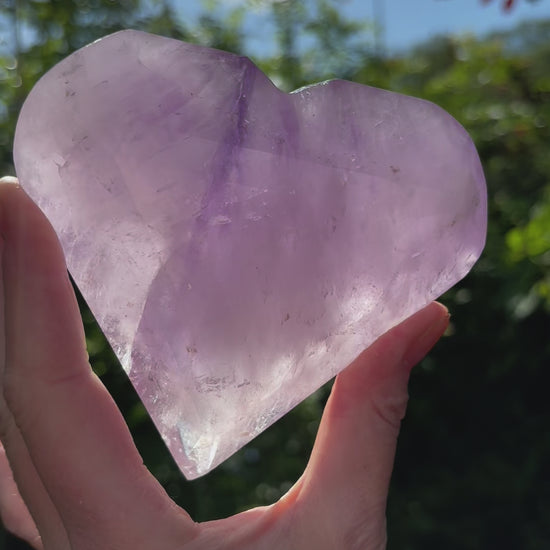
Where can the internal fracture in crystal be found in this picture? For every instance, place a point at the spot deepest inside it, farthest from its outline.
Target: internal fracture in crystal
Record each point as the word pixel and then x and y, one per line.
pixel 238 245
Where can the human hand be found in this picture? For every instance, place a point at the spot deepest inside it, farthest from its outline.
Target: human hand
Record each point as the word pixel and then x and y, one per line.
pixel 80 482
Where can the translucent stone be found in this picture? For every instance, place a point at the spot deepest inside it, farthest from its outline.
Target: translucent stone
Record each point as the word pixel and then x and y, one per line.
pixel 238 245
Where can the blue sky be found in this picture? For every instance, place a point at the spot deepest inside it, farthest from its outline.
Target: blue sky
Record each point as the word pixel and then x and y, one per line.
pixel 411 21
pixel 407 22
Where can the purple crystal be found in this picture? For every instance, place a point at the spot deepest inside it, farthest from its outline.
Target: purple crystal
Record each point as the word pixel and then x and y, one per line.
pixel 239 245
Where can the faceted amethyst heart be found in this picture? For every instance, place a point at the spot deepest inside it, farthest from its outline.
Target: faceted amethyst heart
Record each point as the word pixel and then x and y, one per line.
pixel 239 245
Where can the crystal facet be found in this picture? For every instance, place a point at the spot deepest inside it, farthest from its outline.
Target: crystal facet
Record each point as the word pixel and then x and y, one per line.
pixel 238 245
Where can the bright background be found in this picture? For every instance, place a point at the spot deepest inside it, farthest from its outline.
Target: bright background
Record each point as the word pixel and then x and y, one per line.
pixel 405 22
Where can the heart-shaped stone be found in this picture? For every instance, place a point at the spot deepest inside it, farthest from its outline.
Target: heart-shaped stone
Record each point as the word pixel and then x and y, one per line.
pixel 238 245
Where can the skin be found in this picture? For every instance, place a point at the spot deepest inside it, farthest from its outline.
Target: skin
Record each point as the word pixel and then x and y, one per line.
pixel 71 477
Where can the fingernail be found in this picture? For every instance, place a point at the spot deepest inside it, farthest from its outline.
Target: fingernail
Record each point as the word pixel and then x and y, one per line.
pixel 9 180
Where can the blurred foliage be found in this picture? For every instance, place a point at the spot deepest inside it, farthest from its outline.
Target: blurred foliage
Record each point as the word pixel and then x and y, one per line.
pixel 473 459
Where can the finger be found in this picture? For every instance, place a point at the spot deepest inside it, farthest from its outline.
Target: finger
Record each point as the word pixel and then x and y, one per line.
pixel 348 475
pixel 45 527
pixel 15 515
pixel 75 435
pixel 26 509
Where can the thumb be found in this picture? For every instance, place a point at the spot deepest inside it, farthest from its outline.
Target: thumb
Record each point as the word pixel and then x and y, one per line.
pixel 348 475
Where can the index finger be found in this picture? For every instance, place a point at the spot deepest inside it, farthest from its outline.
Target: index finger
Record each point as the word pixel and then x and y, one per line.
pixel 72 428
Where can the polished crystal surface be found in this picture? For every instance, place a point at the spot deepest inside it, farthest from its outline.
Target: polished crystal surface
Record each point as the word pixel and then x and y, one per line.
pixel 238 245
